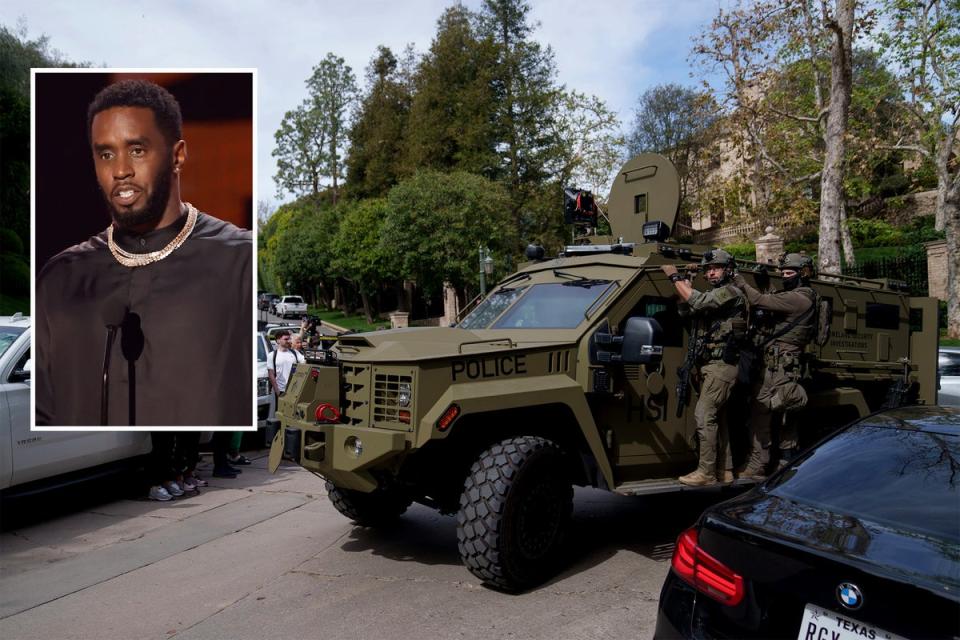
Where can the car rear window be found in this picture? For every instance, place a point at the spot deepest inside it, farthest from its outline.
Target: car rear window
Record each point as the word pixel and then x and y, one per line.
pixel 904 478
pixel 293 299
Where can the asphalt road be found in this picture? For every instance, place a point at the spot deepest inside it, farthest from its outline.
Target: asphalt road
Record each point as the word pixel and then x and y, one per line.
pixel 267 556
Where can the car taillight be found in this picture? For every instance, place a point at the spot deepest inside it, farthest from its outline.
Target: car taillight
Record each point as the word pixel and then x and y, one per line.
pixel 704 572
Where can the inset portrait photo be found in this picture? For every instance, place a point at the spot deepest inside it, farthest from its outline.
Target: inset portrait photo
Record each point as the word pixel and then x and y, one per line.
pixel 143 197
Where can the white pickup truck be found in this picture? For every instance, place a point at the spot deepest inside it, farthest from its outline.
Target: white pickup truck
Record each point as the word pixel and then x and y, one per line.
pixel 291 306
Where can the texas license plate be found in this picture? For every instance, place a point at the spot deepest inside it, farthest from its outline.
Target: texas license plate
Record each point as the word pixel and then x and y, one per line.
pixel 820 624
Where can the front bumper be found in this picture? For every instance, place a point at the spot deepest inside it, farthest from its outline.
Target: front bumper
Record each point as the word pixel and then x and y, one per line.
pixel 340 453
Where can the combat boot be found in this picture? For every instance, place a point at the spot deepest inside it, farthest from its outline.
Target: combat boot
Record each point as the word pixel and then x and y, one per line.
pixel 725 476
pixel 698 479
pixel 787 456
pixel 751 472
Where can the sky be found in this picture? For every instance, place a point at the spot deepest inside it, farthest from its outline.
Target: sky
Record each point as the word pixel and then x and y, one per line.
pixel 614 49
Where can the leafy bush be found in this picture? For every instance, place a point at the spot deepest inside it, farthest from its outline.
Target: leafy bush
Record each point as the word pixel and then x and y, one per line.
pixel 11 243
pixel 742 250
pixel 874 233
pixel 16 275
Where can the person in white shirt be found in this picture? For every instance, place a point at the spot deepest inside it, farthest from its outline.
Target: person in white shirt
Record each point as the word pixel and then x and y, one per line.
pixel 280 362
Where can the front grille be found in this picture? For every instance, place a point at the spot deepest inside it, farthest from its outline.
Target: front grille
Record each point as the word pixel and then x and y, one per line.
pixel 263 386
pixel 386 388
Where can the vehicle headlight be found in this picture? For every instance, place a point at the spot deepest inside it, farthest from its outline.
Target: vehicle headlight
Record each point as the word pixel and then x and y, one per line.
pixel 263 386
pixel 353 446
pixel 403 394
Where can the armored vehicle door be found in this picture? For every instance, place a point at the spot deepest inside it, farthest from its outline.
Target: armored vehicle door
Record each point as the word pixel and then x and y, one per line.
pixel 637 412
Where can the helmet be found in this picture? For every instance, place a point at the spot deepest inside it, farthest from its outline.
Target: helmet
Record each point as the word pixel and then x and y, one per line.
pixel 719 257
pixel 801 264
pixel 796 261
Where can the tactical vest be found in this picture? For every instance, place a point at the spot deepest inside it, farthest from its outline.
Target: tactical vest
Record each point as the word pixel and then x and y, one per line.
pixel 725 329
pixel 803 332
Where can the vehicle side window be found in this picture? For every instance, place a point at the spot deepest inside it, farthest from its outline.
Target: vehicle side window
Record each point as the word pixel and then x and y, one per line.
pixel 664 311
pixel 883 316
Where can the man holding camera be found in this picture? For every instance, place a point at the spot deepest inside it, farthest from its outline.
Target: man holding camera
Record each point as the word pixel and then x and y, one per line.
pixel 280 363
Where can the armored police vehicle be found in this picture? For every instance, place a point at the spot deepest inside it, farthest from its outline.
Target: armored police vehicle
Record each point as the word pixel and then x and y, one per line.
pixel 567 373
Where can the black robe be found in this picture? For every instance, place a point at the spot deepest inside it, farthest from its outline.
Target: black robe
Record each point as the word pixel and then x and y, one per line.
pixel 184 353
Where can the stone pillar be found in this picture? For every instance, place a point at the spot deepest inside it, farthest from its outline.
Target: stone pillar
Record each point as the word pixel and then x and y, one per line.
pixel 451 305
pixel 399 320
pixel 769 247
pixel 937 269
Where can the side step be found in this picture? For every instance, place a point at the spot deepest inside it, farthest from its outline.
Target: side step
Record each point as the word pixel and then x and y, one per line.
pixel 670 485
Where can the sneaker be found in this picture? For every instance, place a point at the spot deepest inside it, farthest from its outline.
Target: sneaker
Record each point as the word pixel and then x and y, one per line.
pixel 196 480
pixel 159 493
pixel 234 469
pixel 173 488
pixel 226 472
pixel 239 459
pixel 187 484
pixel 697 479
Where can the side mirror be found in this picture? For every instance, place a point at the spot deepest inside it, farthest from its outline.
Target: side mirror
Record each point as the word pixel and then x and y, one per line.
pixel 21 375
pixel 642 341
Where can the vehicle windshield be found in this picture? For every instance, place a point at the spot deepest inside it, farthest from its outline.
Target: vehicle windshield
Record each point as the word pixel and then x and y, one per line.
pixel 294 299
pixel 7 337
pixel 488 310
pixel 555 305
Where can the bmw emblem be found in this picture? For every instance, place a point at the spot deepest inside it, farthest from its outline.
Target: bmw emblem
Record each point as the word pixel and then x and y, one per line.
pixel 849 595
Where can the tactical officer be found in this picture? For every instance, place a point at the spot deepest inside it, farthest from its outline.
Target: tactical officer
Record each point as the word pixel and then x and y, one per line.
pixel 722 314
pixel 793 327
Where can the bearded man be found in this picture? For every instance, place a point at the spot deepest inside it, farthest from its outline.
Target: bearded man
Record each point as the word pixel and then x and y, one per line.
pixel 123 320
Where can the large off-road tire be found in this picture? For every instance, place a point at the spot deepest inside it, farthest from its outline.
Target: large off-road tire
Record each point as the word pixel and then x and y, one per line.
pixel 514 513
pixel 375 509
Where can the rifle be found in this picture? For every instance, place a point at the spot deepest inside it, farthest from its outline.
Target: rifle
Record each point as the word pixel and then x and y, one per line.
pixel 684 370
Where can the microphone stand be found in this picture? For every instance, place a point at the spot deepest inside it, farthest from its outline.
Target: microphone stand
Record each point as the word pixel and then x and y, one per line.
pixel 105 381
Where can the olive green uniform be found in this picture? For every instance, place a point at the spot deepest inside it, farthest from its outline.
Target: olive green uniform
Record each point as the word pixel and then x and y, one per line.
pixel 779 390
pixel 720 311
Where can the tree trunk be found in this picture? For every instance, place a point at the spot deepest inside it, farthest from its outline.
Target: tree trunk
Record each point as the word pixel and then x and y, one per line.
pixel 849 258
pixel 948 208
pixel 831 181
pixel 367 309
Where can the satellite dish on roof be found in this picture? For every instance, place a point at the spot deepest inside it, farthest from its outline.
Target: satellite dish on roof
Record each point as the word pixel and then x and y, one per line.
pixel 647 189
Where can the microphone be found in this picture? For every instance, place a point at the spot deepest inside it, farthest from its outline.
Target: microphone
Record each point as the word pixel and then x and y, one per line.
pixel 113 312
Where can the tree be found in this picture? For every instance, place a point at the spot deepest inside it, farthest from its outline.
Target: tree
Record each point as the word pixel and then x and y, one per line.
pixel 312 138
pixel 832 209
pixel 299 248
pixel 589 143
pixel 333 90
pixel 527 100
pixel 301 151
pixel 358 252
pixel 377 134
pixel 923 40
pixel 435 223
pixel 762 46
pixel 452 114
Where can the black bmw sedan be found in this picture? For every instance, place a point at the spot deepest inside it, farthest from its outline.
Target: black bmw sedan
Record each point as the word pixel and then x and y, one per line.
pixel 858 538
